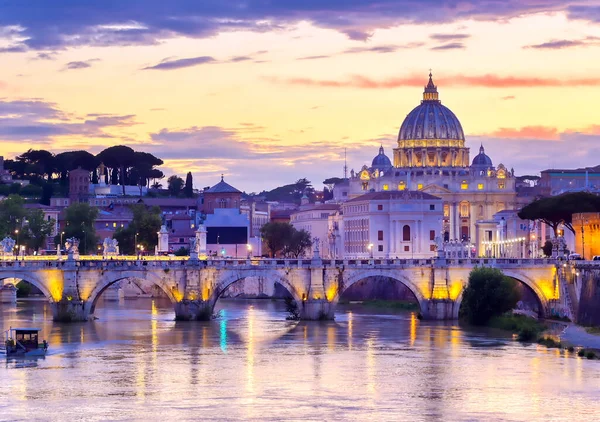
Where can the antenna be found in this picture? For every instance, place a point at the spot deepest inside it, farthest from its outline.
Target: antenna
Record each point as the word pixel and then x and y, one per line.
pixel 345 164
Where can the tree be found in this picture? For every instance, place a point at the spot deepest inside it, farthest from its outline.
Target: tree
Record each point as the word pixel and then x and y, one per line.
pixel 79 219
pixel 489 293
pixel 188 189
pixel 174 185
pixel 47 191
pixel 547 248
pixel 36 229
pixel 276 236
pixel 41 162
pixel 146 223
pixel 298 242
pixel 118 157
pixel 557 210
pixel 12 214
pixel 332 181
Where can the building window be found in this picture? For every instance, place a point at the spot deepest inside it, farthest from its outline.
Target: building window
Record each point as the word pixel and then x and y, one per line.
pixel 380 235
pixel 431 207
pixel 344 193
pixel 431 248
pixel 380 248
pixel 501 185
pixel 431 234
pixel 446 210
pixel 365 186
pixel 181 240
pixel 114 224
pixel 386 187
pixel 406 233
pixel 406 248
pixel 401 186
pixel 380 207
pixel 419 186
pixel 464 210
pixel 464 185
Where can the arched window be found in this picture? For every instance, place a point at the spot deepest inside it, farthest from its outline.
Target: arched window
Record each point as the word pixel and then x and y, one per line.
pixel 406 233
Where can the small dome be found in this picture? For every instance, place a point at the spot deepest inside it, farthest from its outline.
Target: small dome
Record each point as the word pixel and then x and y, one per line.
pixel 381 161
pixel 481 159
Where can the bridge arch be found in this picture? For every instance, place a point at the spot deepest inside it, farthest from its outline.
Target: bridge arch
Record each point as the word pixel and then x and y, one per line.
pixel 226 280
pixel 520 278
pixel 360 275
pixel 35 281
pixel 109 279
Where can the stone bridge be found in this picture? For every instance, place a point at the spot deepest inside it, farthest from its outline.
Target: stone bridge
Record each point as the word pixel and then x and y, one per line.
pixel 194 286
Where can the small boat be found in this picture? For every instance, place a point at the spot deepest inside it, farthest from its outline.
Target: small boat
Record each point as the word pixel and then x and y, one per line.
pixel 23 342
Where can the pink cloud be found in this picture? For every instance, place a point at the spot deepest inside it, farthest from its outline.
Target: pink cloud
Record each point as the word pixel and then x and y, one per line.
pixel 487 81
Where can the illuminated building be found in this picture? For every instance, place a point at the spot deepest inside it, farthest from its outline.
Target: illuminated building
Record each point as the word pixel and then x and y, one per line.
pixel 431 156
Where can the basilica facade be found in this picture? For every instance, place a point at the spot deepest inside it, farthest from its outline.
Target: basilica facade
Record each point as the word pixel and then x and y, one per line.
pixel 431 156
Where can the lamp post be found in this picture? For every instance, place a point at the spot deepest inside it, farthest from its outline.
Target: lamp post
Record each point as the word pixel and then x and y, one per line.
pixel 17 233
pixel 371 250
pixel 84 242
pixel 249 246
pixel 582 242
pixel 135 244
pixel 61 238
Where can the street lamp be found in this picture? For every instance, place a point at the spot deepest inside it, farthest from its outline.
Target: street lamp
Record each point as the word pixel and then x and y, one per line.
pixel 84 242
pixel 17 233
pixel 135 244
pixel 61 236
pixel 371 249
pixel 249 246
pixel 582 243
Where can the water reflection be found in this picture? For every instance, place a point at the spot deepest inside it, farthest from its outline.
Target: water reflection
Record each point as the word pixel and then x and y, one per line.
pixel 253 364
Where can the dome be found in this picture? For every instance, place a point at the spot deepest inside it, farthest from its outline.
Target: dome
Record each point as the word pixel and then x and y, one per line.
pixel 430 119
pixel 381 161
pixel 481 159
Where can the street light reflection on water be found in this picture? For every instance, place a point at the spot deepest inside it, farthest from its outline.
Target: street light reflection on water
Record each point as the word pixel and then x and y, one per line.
pixel 253 364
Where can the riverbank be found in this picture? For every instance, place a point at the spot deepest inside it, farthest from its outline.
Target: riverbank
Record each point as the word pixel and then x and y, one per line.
pixel 577 336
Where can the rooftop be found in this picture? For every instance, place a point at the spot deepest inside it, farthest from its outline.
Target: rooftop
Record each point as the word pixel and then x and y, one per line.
pixel 385 196
pixel 222 187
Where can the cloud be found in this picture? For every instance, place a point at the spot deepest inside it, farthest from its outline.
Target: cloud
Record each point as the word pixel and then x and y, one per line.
pixel 181 63
pixel 46 55
pixel 449 37
pixel 34 26
pixel 80 64
pixel 383 49
pixel 509 97
pixel 561 44
pixel 38 121
pixel 487 81
pixel 536 148
pixel 449 46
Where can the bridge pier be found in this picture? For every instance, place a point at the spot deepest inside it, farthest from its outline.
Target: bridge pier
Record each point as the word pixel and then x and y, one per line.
pixel 193 310
pixel 8 293
pixel 66 310
pixel 439 309
pixel 317 310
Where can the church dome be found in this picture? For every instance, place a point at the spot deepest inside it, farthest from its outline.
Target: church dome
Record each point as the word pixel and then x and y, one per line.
pixel 431 120
pixel 481 159
pixel 381 161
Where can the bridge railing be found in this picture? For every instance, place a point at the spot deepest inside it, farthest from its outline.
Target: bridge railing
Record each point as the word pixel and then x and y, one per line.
pixel 170 262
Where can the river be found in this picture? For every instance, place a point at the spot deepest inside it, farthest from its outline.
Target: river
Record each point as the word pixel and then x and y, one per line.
pixel 136 363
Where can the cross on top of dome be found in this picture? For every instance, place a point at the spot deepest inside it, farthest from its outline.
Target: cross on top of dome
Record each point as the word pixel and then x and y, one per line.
pixel 430 93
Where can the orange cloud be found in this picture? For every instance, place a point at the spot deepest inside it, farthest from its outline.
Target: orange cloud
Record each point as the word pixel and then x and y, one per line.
pixel 487 81
pixel 527 132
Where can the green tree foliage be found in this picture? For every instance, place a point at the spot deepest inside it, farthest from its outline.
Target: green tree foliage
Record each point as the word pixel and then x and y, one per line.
pixel 557 210
pixel 292 192
pixel 118 158
pixel 489 293
pixel 174 185
pixel 35 230
pixel 298 242
pixel 39 163
pixel 12 215
pixel 188 190
pixel 146 223
pixel 79 223
pixel 284 239
pixel 547 248
pixel 332 181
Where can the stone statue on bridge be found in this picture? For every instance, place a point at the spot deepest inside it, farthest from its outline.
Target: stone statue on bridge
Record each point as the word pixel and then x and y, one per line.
pixel 72 247
pixel 111 247
pixel 198 246
pixel 7 247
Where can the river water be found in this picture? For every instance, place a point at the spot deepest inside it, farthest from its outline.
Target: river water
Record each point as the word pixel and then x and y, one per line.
pixel 136 363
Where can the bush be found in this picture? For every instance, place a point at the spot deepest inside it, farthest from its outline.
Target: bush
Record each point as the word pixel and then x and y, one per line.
pixel 571 349
pixel 590 354
pixel 182 252
pixel 550 343
pixel 489 293
pixel 581 353
pixel 23 289
pixel 292 309
pixel 527 334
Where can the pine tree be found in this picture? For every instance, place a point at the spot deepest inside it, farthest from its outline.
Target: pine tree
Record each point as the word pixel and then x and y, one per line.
pixel 188 189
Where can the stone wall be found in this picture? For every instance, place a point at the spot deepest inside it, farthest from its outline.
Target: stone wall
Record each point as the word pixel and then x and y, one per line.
pixel 589 302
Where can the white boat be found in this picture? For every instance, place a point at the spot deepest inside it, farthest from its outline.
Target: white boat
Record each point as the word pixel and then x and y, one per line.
pixel 23 342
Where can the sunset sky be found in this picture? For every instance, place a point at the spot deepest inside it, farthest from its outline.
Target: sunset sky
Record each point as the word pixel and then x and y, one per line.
pixel 267 92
